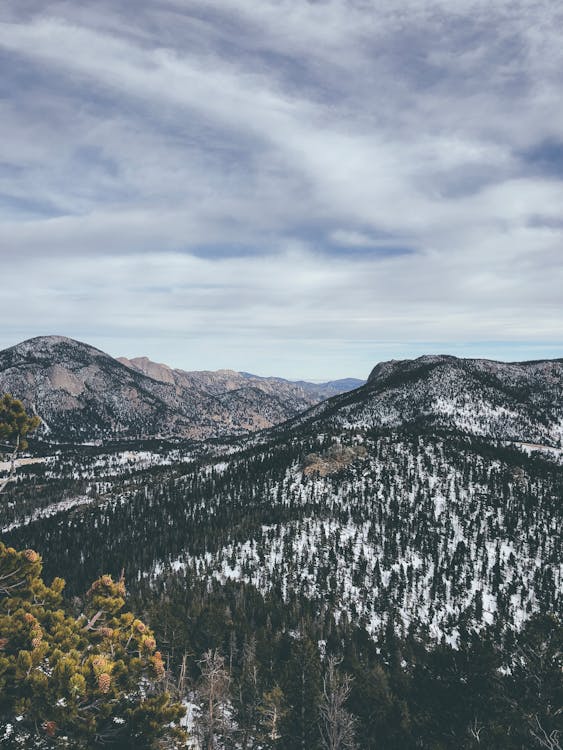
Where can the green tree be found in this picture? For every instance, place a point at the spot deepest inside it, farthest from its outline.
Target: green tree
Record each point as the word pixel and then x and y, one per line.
pixel 15 424
pixel 535 690
pixel 302 690
pixel 96 680
pixel 248 694
pixel 272 711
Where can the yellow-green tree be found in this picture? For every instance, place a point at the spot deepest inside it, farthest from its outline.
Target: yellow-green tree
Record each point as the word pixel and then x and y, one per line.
pixel 15 424
pixel 96 680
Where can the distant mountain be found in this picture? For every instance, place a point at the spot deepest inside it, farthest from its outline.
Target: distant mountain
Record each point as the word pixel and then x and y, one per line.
pixel 299 393
pixel 332 387
pixel 517 401
pixel 81 393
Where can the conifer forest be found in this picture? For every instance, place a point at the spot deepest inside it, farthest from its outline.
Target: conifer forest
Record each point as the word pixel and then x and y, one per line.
pixel 374 588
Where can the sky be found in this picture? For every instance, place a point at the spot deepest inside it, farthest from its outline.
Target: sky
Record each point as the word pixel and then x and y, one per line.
pixel 284 187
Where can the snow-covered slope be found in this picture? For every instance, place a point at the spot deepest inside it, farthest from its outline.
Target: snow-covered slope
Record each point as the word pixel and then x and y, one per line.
pixel 443 534
pixel 520 401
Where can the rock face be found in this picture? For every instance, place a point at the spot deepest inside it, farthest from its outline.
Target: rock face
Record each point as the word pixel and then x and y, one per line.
pixel 518 401
pixel 81 393
pixel 333 460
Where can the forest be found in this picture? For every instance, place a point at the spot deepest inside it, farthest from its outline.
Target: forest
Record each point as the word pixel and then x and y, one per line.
pixel 374 589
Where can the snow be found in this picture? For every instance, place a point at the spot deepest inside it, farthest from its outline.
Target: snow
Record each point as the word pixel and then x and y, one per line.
pixel 296 555
pixel 50 510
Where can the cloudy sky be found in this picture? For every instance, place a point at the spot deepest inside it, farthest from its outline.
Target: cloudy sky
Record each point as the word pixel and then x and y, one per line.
pixel 285 187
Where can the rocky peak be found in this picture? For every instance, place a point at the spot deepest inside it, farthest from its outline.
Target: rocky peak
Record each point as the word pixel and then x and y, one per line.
pixel 389 368
pixel 155 370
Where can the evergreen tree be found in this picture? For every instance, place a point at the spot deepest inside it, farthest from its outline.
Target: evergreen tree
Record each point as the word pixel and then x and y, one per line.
pixel 301 686
pixel 15 424
pixel 90 681
pixel 535 691
pixel 248 695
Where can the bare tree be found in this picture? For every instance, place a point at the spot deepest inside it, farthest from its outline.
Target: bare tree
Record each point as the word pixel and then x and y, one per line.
pixel 214 725
pixel 549 740
pixel 338 726
pixel 475 729
pixel 183 676
pixel 11 466
pixel 248 695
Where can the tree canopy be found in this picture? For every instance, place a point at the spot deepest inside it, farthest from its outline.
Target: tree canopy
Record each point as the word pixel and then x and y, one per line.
pixel 15 422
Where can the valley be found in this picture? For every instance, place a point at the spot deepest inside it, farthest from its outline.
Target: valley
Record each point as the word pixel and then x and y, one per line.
pixel 419 514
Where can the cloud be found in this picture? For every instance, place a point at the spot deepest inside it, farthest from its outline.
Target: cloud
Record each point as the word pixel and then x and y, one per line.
pixel 355 238
pixel 310 171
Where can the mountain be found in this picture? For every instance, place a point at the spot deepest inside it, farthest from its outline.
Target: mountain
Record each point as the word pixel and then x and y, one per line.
pixel 434 489
pixel 81 394
pixel 517 401
pixel 299 394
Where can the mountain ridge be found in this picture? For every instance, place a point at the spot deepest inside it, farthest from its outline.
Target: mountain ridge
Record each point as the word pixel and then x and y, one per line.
pixel 226 379
pixel 82 393
pixel 520 401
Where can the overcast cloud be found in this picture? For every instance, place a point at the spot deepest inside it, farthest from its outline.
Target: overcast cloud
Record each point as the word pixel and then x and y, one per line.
pixel 285 187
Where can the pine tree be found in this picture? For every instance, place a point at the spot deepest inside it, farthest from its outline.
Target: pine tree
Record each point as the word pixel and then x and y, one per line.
pixel 248 694
pixel 536 685
pixel 15 424
pixel 301 687
pixel 91 681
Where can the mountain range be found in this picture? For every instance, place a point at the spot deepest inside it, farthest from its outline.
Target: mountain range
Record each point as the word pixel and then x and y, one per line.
pixel 435 466
pixel 82 394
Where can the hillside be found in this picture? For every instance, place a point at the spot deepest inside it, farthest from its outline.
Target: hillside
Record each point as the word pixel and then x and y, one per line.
pixel 416 491
pixel 518 401
pixel 413 539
